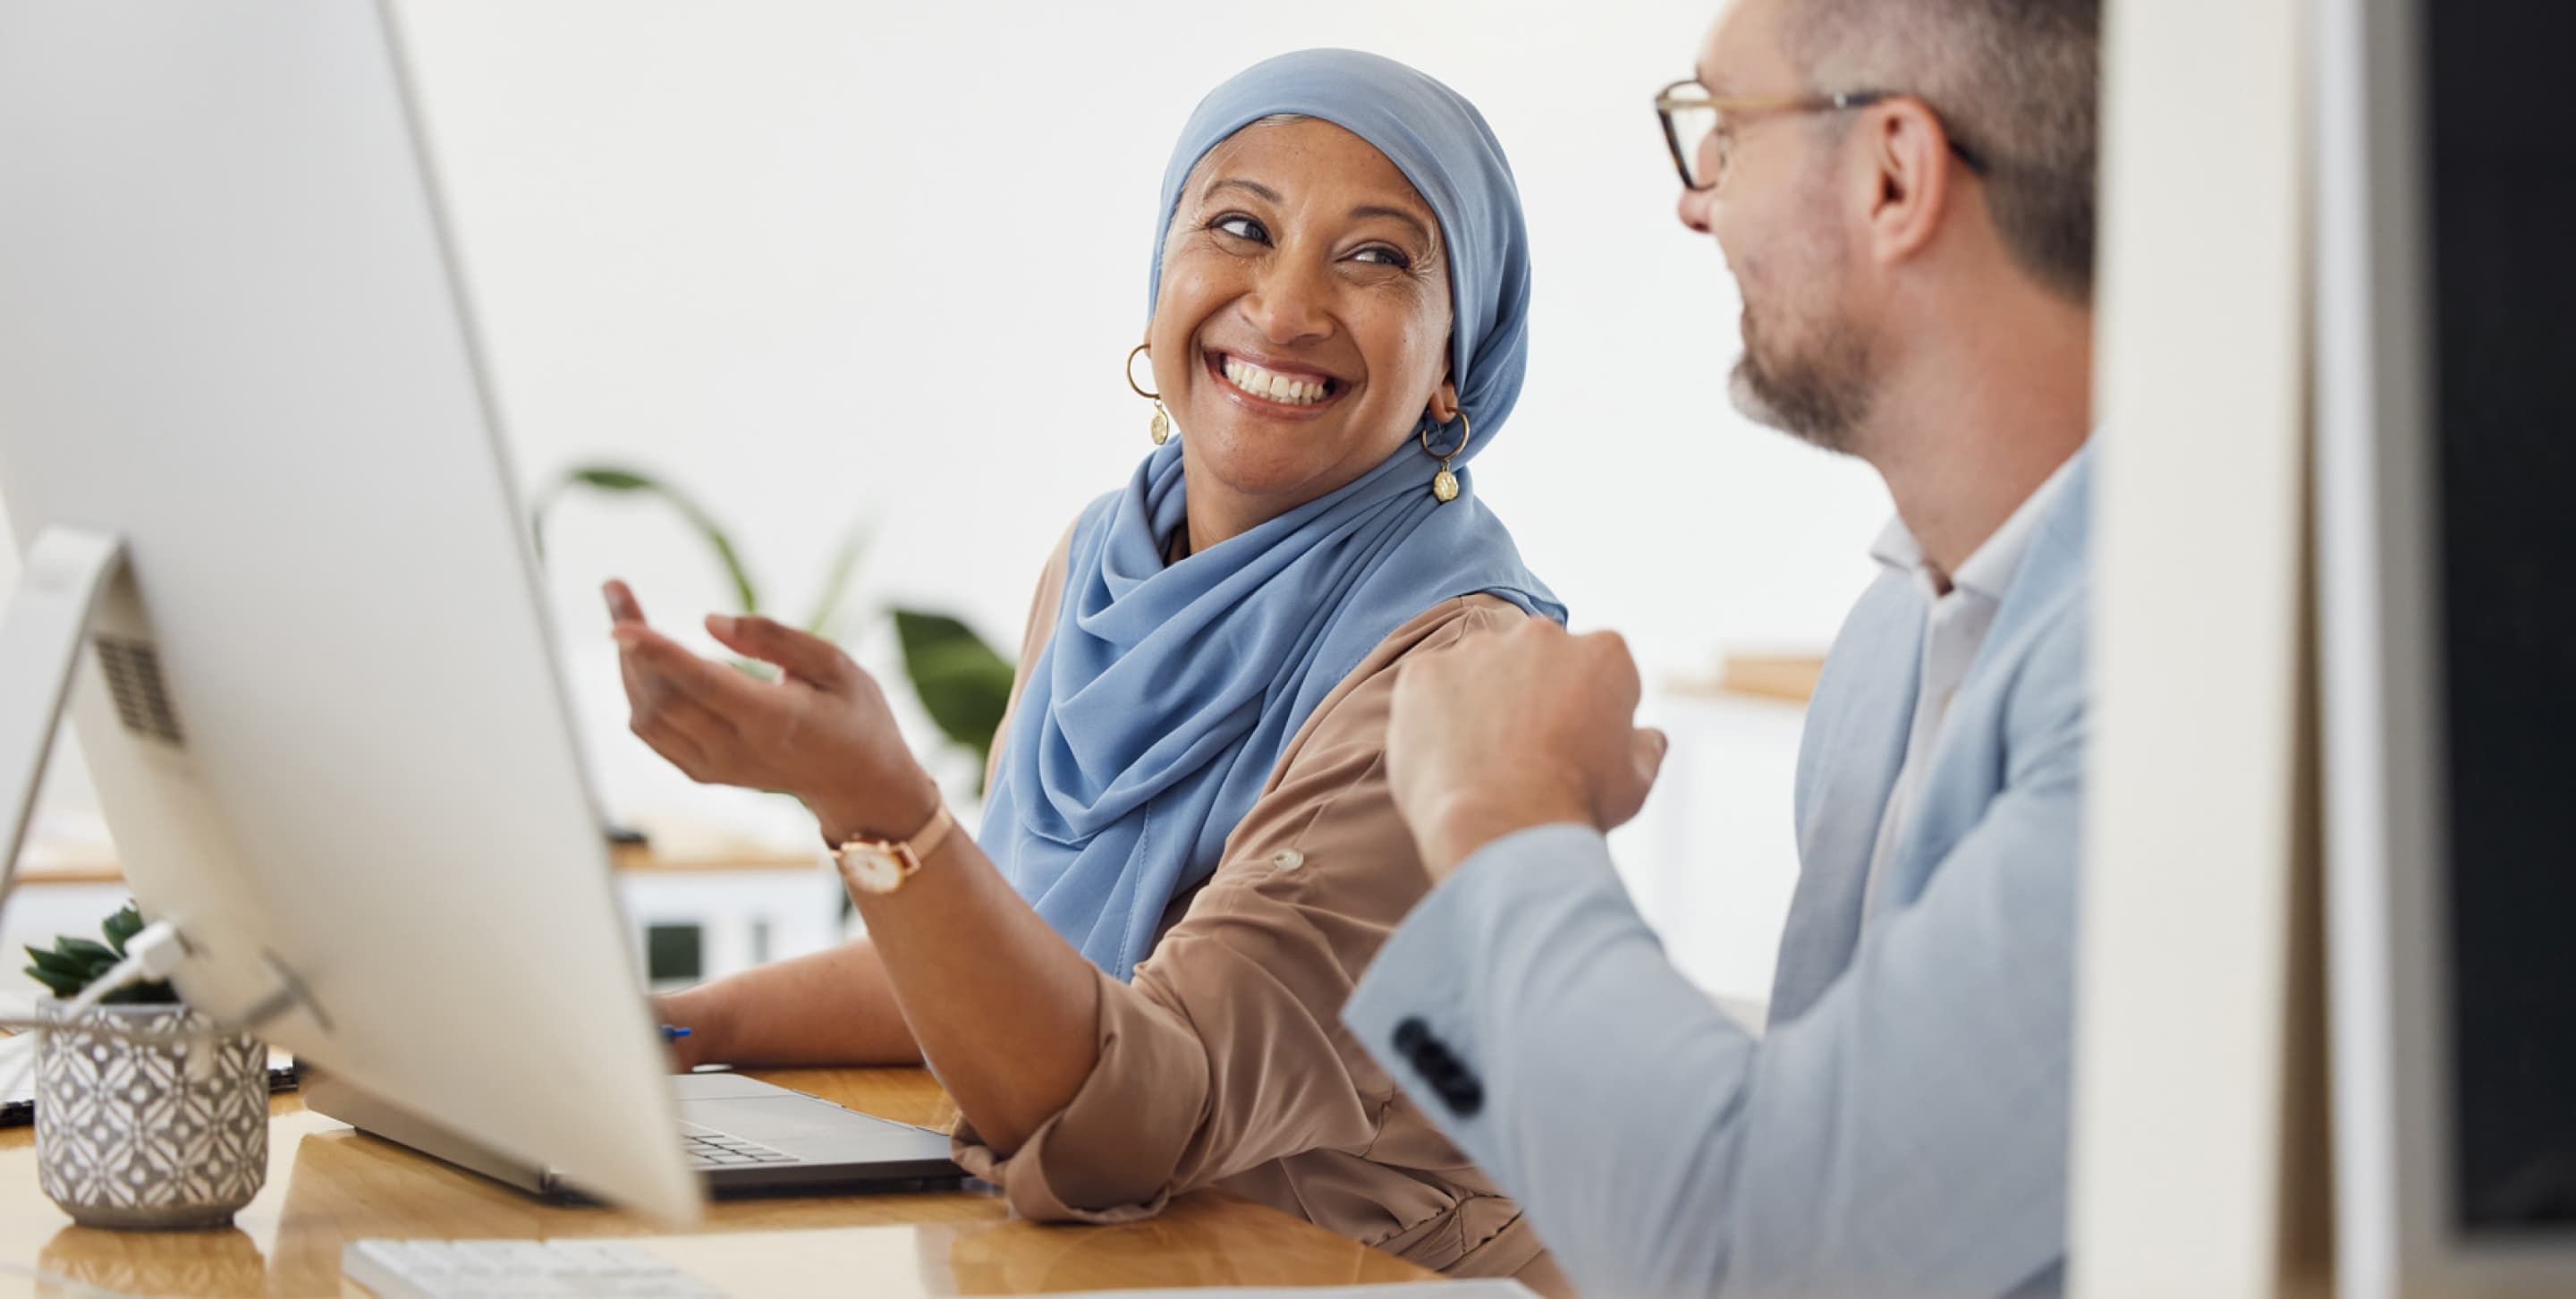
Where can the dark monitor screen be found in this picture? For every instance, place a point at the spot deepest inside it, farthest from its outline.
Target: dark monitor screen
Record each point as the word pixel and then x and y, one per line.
pixel 2503 206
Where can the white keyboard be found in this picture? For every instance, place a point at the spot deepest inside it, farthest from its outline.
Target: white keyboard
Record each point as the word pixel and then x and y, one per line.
pixel 439 1269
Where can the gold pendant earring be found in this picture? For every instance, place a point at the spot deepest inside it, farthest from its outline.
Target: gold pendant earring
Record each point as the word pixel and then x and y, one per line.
pixel 1444 485
pixel 1160 427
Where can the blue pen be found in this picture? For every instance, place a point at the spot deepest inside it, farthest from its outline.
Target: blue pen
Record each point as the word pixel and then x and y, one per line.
pixel 671 1033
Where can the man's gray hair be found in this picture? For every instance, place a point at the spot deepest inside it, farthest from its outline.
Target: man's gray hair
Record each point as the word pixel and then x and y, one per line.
pixel 2017 82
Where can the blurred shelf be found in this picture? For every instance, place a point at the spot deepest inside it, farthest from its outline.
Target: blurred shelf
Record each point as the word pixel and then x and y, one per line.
pixel 84 864
pixel 100 872
pixel 704 859
pixel 1790 678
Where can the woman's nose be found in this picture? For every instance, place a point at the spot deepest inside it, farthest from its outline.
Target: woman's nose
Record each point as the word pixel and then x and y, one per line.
pixel 1288 302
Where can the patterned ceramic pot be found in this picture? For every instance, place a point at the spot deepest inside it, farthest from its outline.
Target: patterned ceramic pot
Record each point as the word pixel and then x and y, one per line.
pixel 151 1135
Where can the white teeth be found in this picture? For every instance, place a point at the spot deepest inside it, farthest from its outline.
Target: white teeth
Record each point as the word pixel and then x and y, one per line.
pixel 1271 384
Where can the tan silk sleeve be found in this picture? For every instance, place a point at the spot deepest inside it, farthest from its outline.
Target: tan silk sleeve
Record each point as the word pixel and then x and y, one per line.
pixel 1043 608
pixel 1227 1051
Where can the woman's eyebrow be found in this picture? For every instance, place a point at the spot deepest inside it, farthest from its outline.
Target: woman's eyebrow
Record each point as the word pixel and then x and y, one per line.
pixel 1238 182
pixel 1364 210
pixel 1421 231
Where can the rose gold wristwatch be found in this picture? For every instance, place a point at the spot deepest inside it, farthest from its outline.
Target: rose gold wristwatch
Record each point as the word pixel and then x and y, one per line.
pixel 882 865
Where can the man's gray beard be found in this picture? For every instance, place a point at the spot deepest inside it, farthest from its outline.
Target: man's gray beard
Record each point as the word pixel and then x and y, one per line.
pixel 1820 400
pixel 1749 401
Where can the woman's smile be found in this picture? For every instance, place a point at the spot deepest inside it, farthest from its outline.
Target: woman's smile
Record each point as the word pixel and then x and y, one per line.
pixel 1278 389
pixel 1302 324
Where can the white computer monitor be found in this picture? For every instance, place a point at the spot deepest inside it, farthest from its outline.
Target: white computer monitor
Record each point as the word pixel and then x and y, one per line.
pixel 2446 505
pixel 232 335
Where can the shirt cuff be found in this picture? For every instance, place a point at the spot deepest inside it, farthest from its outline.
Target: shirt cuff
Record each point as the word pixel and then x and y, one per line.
pixel 1109 1154
pixel 1426 985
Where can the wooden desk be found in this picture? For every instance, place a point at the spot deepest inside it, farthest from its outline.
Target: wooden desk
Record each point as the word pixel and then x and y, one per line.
pixel 327 1185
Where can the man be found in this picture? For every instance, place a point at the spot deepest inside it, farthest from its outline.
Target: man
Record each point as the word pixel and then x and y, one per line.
pixel 1904 190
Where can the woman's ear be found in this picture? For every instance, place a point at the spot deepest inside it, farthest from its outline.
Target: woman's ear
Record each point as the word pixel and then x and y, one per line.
pixel 1444 403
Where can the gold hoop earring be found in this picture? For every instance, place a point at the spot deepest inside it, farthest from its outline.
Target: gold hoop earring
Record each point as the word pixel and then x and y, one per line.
pixel 1160 429
pixel 1444 484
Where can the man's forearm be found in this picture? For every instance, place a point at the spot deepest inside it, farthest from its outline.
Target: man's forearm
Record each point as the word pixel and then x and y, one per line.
pixel 1907 1133
pixel 1606 1079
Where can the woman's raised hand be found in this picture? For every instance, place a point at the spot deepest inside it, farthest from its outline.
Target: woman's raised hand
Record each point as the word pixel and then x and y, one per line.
pixel 821 731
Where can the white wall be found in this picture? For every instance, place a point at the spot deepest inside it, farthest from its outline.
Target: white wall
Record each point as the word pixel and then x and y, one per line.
pixel 2185 1169
pixel 827 262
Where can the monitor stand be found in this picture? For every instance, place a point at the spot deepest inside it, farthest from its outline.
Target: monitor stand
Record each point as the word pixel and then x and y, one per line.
pixel 66 571
pixel 47 618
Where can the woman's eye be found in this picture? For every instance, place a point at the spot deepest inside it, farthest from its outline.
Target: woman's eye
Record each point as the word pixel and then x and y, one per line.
pixel 1241 227
pixel 1383 256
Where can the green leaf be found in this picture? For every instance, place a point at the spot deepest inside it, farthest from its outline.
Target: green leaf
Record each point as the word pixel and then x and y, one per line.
pixel 732 562
pixel 122 927
pixel 75 963
pixel 86 950
pixel 836 584
pixel 611 479
pixel 57 963
pixel 62 985
pixel 618 480
pixel 964 684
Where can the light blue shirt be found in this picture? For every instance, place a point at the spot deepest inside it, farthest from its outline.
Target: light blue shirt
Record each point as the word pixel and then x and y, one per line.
pixel 1959 611
pixel 1901 1127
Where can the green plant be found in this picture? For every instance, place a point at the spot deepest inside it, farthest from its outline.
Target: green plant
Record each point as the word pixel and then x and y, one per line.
pixel 619 481
pixel 76 963
pixel 963 683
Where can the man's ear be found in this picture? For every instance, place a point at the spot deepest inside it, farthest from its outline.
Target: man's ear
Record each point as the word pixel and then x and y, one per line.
pixel 1910 153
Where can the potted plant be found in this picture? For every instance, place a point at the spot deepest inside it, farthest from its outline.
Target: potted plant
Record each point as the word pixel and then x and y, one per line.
pixel 149 1115
pixel 964 683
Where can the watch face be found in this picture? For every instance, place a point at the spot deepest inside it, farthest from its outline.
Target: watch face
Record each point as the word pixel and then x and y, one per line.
pixel 871 870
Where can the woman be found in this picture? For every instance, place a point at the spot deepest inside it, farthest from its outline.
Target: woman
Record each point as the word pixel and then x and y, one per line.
pixel 1130 982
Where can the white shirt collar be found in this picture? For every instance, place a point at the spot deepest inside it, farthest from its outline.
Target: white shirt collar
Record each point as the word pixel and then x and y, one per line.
pixel 1990 570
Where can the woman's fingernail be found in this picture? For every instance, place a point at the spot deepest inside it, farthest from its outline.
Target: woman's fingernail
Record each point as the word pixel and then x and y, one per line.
pixel 721 624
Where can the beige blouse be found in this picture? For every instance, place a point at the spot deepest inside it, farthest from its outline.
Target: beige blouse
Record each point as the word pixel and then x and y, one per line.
pixel 1225 1062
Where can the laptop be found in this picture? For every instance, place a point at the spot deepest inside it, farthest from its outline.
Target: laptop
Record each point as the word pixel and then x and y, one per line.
pixel 741 1135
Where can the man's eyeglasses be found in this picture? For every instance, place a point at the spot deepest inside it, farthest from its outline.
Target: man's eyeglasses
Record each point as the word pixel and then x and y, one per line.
pixel 1701 127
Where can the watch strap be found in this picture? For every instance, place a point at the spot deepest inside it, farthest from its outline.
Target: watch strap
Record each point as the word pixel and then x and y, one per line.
pixel 929 837
pixel 913 849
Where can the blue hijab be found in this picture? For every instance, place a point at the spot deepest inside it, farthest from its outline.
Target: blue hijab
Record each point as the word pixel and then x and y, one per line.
pixel 1151 723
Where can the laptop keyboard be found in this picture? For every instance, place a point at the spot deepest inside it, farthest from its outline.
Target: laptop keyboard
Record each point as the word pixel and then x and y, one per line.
pixel 708 1148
